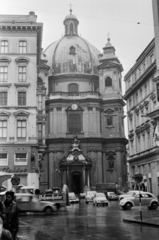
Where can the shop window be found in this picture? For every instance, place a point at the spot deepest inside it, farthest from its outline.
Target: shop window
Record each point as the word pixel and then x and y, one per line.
pixel 20 159
pixel 3 159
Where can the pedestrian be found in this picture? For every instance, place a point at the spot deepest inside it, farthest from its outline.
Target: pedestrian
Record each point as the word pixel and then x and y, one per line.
pixel 10 215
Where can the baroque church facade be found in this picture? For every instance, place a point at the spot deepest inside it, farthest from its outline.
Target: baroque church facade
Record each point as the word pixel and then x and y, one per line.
pixel 85 139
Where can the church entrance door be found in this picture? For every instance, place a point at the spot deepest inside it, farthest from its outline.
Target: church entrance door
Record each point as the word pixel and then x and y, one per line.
pixel 76 182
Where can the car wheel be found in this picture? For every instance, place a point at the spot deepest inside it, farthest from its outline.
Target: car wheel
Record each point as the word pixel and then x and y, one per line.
pixel 154 205
pixel 128 206
pixel 48 210
pixel 86 202
pixel 97 204
pixel 58 206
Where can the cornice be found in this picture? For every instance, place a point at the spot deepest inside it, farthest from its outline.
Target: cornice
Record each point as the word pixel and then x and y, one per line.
pixel 22 85
pixel 136 85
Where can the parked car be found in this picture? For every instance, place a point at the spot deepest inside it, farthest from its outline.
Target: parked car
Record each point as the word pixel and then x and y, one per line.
pixel 112 196
pixel 89 196
pixel 100 198
pixel 73 198
pixel 147 199
pixel 128 194
pixel 30 203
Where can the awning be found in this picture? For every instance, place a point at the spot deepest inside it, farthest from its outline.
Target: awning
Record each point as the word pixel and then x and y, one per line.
pixel 4 176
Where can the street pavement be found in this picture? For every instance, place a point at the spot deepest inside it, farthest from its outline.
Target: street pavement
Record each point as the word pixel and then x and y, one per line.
pixel 86 222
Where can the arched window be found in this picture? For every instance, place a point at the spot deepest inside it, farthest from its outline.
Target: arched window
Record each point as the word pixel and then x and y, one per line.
pixel 71 27
pixel 108 82
pixel 74 123
pixel 73 87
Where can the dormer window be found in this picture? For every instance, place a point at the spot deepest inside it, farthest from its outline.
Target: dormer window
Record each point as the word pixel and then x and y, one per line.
pixel 4 46
pixel 108 82
pixel 72 50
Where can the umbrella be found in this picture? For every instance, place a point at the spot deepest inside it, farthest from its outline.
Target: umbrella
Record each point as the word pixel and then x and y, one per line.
pixel 4 176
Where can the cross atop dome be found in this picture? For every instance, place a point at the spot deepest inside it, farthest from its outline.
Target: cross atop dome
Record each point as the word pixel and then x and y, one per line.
pixel 108 37
pixel 70 8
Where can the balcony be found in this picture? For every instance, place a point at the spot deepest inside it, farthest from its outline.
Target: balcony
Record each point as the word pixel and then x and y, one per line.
pixel 73 95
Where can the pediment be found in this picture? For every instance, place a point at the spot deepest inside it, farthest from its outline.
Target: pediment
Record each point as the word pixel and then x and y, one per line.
pixel 21 114
pixel 110 64
pixel 71 109
pixel 4 114
pixel 109 111
pixel 110 153
pixel 22 60
pixel 5 60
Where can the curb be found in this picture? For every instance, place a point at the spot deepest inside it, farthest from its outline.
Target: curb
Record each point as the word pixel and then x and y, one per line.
pixel 142 223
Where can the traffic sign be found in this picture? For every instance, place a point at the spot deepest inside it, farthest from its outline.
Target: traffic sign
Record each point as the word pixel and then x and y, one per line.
pixel 15 180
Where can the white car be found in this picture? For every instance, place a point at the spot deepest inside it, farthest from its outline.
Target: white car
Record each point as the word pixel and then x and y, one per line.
pixel 30 203
pixel 73 198
pixel 147 199
pixel 100 198
pixel 129 194
pixel 89 196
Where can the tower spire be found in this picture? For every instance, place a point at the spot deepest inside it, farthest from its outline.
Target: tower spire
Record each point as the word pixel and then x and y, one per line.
pixel 70 8
pixel 108 37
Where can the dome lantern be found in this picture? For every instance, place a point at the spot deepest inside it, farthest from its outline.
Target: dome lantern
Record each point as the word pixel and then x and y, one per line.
pixel 71 24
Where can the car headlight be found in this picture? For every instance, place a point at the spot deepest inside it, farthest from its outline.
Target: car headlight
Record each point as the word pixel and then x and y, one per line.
pixel 122 203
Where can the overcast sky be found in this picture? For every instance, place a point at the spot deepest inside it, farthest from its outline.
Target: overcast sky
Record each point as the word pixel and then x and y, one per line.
pixel 96 18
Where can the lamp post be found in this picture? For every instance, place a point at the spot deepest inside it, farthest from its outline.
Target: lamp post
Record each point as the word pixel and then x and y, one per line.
pixel 138 179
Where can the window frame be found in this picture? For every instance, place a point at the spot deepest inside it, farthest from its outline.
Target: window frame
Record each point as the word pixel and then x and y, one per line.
pixel 22 75
pixel 4 164
pixel 21 131
pixel 4 74
pixel 4 98
pixel 4 128
pixel 22 49
pixel 4 48
pixel 108 80
pixel 24 163
pixel 22 99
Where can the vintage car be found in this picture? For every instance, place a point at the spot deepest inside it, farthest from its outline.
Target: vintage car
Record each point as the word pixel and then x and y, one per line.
pixel 73 198
pixel 147 199
pixel 112 196
pixel 89 196
pixel 30 203
pixel 100 199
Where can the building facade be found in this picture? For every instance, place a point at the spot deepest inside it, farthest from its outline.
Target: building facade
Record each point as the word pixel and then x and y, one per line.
pixel 84 115
pixel 141 100
pixel 22 102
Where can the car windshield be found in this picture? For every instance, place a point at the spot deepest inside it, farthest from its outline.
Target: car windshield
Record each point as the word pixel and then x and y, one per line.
pixel 100 195
pixel 91 193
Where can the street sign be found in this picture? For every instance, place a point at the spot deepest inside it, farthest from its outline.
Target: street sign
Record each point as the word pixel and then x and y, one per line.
pixel 138 178
pixel 15 180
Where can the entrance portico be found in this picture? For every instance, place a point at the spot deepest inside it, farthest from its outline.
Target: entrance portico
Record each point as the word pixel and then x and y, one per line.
pixel 76 169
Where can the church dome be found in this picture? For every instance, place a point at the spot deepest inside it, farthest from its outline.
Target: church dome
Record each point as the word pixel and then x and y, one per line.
pixel 72 53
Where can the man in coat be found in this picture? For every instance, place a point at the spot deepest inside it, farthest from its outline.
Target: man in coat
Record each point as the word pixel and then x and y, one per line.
pixel 10 215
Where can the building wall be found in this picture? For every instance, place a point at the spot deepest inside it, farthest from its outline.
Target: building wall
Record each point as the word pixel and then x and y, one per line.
pixel 141 100
pixel 17 28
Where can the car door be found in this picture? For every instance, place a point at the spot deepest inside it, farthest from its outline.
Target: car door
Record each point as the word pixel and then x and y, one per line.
pixel 23 203
pixel 136 199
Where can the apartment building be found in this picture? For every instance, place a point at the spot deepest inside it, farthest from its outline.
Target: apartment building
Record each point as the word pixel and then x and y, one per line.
pixel 141 101
pixel 22 97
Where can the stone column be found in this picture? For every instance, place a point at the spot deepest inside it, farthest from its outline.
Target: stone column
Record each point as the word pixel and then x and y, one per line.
pixel 43 133
pixel 84 182
pixel 88 180
pixel 50 169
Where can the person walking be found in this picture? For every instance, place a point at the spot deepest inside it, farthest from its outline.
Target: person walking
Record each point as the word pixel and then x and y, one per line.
pixel 10 215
